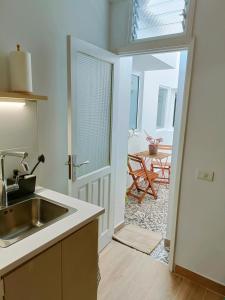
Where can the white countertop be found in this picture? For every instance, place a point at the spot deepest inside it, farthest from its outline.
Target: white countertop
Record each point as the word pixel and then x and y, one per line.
pixel 18 253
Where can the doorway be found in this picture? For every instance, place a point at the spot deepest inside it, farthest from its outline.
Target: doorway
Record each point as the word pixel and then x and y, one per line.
pixel 89 187
pixel 155 118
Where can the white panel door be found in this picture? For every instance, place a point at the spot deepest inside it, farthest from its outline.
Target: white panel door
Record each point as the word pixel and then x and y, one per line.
pixel 93 95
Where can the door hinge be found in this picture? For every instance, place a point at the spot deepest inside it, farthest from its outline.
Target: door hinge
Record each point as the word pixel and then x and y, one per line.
pixel 2 289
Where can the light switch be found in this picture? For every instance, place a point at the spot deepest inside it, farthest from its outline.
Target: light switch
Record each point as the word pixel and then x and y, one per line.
pixel 205 175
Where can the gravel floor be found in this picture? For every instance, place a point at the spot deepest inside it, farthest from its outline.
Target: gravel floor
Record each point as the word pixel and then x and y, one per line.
pixel 151 214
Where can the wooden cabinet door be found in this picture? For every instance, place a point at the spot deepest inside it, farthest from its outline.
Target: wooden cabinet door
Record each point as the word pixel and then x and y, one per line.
pixel 79 264
pixel 38 279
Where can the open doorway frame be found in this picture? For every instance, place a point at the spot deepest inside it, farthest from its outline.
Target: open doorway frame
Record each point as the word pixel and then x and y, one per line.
pixel 180 127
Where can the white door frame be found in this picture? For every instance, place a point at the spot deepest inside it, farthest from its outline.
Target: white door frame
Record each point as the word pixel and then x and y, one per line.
pixel 150 47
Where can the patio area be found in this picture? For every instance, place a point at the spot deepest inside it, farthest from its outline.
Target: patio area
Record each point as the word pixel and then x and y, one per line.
pixel 151 214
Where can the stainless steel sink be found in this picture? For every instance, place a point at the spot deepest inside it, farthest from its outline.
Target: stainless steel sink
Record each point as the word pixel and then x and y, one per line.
pixel 27 217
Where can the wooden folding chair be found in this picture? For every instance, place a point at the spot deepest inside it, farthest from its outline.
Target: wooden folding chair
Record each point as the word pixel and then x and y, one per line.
pixel 163 167
pixel 140 176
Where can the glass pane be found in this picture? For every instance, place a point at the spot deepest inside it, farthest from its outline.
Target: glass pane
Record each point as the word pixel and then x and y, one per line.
pixel 92 113
pixel 161 113
pixel 154 18
pixel 134 102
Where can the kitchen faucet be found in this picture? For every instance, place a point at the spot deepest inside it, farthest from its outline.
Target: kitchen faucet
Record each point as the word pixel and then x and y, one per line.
pixel 4 188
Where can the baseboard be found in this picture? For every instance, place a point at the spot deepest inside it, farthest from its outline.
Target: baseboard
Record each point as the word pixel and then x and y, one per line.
pixel 119 227
pixel 199 279
pixel 166 243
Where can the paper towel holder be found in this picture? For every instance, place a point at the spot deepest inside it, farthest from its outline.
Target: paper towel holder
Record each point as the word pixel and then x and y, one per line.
pixel 9 96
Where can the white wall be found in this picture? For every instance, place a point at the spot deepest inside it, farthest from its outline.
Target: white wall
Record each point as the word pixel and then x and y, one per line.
pixel 153 80
pixel 18 131
pixel 41 27
pixel 149 62
pixel 119 19
pixel 137 142
pixel 201 225
pixel 169 58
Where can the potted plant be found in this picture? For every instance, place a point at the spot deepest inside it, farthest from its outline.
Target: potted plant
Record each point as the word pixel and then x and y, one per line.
pixel 153 144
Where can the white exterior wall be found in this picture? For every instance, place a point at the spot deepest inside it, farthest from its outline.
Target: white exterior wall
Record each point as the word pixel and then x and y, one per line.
pixel 148 114
pixel 153 80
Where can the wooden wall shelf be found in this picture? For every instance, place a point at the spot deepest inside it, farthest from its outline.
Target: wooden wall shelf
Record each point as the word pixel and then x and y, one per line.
pixel 10 96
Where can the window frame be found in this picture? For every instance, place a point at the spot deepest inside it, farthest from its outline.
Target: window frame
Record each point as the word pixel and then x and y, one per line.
pixel 170 111
pixel 186 35
pixel 166 108
pixel 140 104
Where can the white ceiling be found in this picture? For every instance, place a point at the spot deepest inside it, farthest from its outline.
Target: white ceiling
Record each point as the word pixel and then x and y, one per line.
pixel 149 62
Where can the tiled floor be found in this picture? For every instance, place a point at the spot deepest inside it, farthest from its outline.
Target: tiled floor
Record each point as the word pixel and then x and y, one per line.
pixel 151 214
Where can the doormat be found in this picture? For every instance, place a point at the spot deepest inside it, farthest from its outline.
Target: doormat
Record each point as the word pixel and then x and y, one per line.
pixel 143 240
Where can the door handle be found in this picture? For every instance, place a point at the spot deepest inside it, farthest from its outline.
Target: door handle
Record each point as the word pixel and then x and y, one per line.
pixel 81 164
pixel 72 166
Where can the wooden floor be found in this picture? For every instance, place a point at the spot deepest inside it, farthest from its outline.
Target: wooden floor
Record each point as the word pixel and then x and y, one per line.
pixel 130 275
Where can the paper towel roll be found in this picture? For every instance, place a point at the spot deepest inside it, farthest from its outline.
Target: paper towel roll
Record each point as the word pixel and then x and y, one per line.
pixel 20 71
